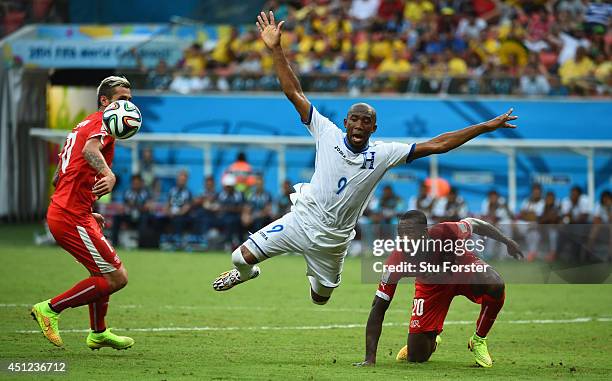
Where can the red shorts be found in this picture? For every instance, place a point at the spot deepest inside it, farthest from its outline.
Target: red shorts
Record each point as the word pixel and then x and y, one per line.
pixel 431 301
pixel 82 237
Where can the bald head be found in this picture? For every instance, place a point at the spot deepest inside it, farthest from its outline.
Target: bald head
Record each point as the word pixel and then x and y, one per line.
pixel 362 109
pixel 360 123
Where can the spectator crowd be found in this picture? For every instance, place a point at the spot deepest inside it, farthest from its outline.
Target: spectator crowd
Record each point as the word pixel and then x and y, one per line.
pixel 178 219
pixel 548 227
pixel 498 47
pixel 560 47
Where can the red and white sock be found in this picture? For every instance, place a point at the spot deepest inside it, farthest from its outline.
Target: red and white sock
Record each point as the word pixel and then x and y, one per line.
pixel 97 312
pixel 488 313
pixel 85 292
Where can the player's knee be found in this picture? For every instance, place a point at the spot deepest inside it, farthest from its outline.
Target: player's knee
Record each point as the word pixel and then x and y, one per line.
pixel 122 281
pixel 118 279
pixel 318 299
pixel 496 289
pixel 421 356
pixel 421 346
pixel 243 256
pixel 319 294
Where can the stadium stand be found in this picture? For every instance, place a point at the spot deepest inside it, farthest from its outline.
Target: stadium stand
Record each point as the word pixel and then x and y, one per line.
pixel 430 47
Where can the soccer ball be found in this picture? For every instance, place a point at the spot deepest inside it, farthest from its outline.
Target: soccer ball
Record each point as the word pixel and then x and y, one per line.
pixel 122 119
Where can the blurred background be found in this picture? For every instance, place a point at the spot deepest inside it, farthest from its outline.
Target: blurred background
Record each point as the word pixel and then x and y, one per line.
pixel 220 146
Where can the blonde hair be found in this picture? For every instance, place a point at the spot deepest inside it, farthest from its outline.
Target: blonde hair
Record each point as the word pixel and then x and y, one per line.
pixel 106 87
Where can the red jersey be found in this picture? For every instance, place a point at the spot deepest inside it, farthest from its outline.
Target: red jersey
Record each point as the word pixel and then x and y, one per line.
pixel 444 231
pixel 76 177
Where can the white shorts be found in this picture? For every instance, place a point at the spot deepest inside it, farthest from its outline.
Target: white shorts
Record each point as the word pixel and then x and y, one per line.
pixel 287 235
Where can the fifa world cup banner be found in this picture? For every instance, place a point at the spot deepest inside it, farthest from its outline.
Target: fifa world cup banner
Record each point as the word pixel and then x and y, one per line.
pixel 91 53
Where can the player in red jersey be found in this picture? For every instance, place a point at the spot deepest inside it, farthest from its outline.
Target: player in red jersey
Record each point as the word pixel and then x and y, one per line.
pixel 460 272
pixel 83 175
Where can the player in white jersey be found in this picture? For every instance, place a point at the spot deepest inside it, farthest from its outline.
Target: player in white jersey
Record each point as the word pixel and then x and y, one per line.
pixel 347 169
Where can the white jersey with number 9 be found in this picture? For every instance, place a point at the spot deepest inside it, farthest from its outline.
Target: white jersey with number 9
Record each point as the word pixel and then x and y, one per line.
pixel 343 182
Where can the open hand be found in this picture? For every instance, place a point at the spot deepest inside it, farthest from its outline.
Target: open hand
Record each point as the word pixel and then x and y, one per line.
pixel 269 31
pixel 104 185
pixel 501 121
pixel 514 250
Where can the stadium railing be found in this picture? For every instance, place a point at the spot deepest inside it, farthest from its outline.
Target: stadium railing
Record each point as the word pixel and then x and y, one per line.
pixel 372 82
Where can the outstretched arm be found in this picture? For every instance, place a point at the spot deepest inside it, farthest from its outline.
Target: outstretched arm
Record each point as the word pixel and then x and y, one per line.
pixel 271 36
pixel 374 330
pixel 486 229
pixel 451 140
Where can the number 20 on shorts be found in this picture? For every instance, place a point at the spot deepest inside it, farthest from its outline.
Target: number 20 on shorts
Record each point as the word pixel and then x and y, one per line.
pixel 417 307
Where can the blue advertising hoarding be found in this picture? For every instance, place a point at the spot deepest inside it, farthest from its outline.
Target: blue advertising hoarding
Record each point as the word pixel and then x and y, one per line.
pixel 474 174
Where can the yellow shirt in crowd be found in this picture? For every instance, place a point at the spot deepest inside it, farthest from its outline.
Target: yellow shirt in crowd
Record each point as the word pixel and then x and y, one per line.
pixel 362 50
pixel 457 67
pixel 572 70
pixel 414 11
pixel 394 66
pixel 603 71
pixel 381 49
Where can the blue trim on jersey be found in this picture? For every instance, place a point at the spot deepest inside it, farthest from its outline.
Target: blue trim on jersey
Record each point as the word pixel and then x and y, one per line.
pixel 259 248
pixel 408 159
pixel 309 116
pixel 348 145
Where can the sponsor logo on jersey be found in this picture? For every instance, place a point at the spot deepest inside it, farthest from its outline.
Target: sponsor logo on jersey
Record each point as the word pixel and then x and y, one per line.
pixel 263 235
pixel 386 277
pixel 415 324
pixel 340 152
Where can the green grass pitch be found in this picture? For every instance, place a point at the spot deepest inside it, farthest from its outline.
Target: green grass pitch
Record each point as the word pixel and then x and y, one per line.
pixel 269 329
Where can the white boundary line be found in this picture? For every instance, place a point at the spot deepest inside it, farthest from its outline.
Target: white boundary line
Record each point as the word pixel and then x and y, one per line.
pixel 326 309
pixel 198 307
pixel 330 326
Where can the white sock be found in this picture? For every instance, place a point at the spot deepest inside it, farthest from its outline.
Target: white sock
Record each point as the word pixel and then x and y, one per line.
pixel 245 269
